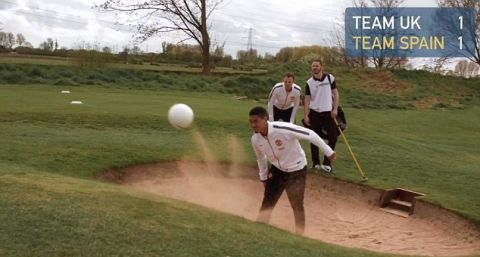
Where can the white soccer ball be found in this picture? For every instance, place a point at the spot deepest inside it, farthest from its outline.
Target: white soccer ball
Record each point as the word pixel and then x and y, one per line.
pixel 180 116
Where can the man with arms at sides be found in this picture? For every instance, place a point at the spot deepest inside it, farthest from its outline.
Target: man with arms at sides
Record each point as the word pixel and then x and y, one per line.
pixel 278 143
pixel 320 110
pixel 284 100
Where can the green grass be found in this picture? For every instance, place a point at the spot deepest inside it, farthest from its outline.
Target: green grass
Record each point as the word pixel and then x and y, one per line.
pixel 359 88
pixel 51 204
pixel 133 79
pixel 434 152
pixel 36 61
pixel 58 61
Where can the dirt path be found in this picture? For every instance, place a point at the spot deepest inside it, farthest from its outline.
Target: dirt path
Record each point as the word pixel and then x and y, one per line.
pixel 336 213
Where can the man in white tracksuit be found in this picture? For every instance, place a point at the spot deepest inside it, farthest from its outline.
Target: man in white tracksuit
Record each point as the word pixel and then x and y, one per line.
pixel 284 100
pixel 278 143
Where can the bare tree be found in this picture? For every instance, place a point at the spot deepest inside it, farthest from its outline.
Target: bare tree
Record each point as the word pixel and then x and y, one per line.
pixel 27 44
pixel 48 45
pixel 136 50
pixel 439 65
pixel 387 3
pixel 475 4
pixel 218 54
pixel 20 39
pixel 3 39
pixel 10 40
pixel 190 17
pixel 466 69
pixel 107 50
pixel 124 54
pixel 247 56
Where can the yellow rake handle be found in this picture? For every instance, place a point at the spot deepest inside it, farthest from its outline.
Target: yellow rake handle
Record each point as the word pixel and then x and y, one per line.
pixel 351 151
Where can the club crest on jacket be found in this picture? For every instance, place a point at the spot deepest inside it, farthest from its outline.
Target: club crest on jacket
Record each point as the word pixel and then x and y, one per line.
pixel 278 142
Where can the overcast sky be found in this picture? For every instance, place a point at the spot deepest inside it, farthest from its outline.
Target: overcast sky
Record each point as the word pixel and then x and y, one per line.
pixel 274 23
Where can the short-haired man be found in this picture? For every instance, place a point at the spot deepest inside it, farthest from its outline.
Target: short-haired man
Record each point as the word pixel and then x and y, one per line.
pixel 278 143
pixel 320 110
pixel 284 100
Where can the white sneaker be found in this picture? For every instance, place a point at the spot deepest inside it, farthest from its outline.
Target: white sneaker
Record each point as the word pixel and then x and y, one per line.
pixel 317 168
pixel 326 168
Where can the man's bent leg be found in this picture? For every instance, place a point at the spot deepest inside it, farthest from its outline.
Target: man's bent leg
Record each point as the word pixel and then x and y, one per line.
pixel 295 187
pixel 273 190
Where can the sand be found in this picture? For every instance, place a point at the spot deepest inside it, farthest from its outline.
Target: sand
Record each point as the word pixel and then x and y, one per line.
pixel 336 212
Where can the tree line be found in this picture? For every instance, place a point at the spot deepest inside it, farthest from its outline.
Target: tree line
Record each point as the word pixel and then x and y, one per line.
pixel 183 53
pixel 94 55
pixel 9 40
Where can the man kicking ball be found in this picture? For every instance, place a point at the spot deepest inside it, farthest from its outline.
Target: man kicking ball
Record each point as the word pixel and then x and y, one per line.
pixel 278 142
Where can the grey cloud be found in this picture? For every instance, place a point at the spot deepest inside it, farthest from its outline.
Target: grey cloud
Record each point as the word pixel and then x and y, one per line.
pixel 76 4
pixel 52 19
pixel 7 5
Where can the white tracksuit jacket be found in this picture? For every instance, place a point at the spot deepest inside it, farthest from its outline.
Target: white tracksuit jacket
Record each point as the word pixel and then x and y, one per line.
pixel 280 98
pixel 282 148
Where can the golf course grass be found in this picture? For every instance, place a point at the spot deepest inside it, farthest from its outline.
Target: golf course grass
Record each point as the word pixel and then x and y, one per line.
pixel 63 61
pixel 52 152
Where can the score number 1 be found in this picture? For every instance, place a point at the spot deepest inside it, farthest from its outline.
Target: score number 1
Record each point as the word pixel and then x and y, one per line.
pixel 460 38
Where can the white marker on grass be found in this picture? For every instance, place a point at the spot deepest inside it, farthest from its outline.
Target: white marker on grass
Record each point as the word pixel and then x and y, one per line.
pixel 76 102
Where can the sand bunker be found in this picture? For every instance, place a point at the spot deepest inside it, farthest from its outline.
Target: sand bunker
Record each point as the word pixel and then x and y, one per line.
pixel 336 212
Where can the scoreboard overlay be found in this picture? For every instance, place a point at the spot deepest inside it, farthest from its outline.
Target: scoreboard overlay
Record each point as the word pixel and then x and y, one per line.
pixel 410 32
